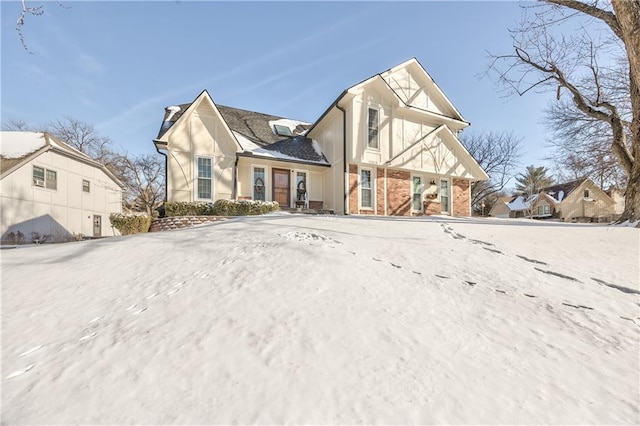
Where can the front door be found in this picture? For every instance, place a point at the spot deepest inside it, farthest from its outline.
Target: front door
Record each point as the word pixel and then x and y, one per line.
pixel 97 226
pixel 281 187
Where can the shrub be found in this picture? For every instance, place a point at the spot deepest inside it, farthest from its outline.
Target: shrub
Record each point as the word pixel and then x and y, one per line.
pixel 220 208
pixel 130 223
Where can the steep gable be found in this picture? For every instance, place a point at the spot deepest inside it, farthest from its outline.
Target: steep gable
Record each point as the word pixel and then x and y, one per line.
pixel 415 87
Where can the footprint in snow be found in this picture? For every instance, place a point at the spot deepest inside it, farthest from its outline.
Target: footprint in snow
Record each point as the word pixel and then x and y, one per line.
pixel 578 306
pixel 88 336
pixel 131 307
pixel 377 260
pixel 442 276
pixel 20 372
pixel 417 273
pixel 30 351
pixel 492 250
pixel 500 291
pixel 470 283
pixel 529 295
pixel 151 296
pixel 395 266
pixel 539 262
pixel 94 320
pixel 173 291
pixel 139 311
pixel 557 274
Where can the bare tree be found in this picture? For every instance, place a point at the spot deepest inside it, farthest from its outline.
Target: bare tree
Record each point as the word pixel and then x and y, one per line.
pixel 498 154
pixel 143 175
pixel 37 10
pixel 577 66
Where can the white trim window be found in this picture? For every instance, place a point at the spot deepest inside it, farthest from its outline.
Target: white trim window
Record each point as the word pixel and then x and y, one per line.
pixel 45 178
pixel 373 127
pixel 445 198
pixel 86 186
pixel 544 209
pixel 417 189
pixel 259 183
pixel 204 169
pixel 366 188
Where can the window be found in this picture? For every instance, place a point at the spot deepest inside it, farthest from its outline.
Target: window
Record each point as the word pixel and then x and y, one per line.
pixel 259 183
pixel 543 209
pixel 204 178
pixel 444 196
pixel 366 189
pixel 38 176
pixel 45 178
pixel 416 201
pixel 282 130
pixel 86 186
pixel 372 135
pixel 586 193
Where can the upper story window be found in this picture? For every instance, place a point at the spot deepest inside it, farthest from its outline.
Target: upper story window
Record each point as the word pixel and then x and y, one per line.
pixel 372 129
pixel 586 193
pixel 86 186
pixel 282 130
pixel 204 178
pixel 45 178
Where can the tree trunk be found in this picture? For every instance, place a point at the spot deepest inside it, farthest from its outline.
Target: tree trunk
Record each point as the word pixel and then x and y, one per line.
pixel 628 16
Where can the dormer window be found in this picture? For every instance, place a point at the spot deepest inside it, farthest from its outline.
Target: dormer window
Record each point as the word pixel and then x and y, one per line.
pixel 282 130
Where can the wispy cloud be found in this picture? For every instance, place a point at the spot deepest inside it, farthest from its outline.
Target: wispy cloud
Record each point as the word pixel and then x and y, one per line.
pixel 89 63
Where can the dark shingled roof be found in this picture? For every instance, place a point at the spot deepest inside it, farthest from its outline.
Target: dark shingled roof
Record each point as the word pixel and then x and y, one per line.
pixel 567 188
pixel 255 127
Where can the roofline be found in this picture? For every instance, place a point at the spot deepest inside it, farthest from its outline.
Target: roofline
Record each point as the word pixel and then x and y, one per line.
pixel 250 154
pixel 69 154
pixel 327 111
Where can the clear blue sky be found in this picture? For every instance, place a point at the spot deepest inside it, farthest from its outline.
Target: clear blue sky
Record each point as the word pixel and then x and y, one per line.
pixel 119 64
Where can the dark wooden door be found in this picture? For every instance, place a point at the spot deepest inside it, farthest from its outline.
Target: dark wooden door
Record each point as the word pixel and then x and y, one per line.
pixel 281 187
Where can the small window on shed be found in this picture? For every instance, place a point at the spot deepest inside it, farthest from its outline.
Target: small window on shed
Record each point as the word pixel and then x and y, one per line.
pixel 86 186
pixel 586 193
pixel 282 130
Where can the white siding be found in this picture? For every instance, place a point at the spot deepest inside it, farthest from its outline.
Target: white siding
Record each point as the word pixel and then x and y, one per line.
pixel 62 212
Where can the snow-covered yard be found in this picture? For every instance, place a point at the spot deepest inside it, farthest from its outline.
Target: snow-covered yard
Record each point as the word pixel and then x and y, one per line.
pixel 327 320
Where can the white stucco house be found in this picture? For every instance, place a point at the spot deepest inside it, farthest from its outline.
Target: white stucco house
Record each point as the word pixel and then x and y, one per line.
pixel 386 146
pixel 49 188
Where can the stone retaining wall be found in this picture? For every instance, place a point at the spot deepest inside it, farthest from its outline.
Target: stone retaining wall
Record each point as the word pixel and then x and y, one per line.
pixel 179 222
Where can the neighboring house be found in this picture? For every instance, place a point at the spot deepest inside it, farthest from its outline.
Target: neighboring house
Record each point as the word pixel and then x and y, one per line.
pixel 386 146
pixel 50 188
pixel 576 201
pixel 581 201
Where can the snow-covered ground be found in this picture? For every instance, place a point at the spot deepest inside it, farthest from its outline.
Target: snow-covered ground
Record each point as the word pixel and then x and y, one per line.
pixel 327 320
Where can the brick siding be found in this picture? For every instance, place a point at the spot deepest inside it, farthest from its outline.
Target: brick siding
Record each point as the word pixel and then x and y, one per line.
pixel 398 193
pixel 432 207
pixel 461 197
pixel 353 189
pixel 380 191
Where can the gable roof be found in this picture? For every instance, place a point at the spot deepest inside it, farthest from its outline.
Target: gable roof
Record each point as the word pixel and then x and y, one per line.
pixel 18 148
pixel 560 191
pixel 254 132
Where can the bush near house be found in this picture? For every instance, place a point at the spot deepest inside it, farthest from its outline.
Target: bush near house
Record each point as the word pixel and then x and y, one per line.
pixel 220 208
pixel 130 223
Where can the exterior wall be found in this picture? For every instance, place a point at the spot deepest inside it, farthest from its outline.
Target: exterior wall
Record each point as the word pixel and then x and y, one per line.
pixel 398 193
pixel 380 189
pixel 574 206
pixel 500 209
pixel 329 135
pixel 461 198
pixel 315 179
pixel 62 212
pixel 201 135
pixel 353 189
pixel 432 207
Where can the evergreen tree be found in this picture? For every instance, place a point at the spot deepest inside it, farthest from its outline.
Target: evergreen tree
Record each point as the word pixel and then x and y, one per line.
pixel 531 181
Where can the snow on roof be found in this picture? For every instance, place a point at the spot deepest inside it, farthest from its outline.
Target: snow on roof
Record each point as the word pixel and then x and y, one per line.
pixel 249 146
pixel 519 204
pixel 291 124
pixel 15 144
